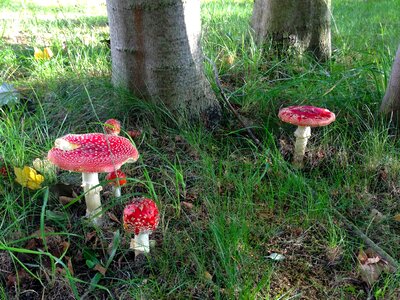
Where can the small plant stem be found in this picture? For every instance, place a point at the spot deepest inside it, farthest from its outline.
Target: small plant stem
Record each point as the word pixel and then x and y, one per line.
pixel 302 135
pixel 393 264
pixel 90 182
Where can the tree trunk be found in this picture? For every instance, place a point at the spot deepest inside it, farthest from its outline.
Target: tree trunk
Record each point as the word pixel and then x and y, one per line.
pixel 156 53
pixel 300 24
pixel 391 101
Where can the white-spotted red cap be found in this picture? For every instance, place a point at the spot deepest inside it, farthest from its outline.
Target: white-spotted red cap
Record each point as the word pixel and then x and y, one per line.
pixel 306 115
pixel 92 152
pixel 141 216
pixel 112 126
pixel 117 178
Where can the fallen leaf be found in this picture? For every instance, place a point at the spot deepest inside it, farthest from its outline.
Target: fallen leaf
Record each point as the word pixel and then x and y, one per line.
pixel 28 177
pixel 113 217
pixel 100 269
pixel 370 273
pixel 65 200
pixel 90 235
pixel 188 205
pixel 370 266
pixel 362 256
pixel 134 133
pixel 65 245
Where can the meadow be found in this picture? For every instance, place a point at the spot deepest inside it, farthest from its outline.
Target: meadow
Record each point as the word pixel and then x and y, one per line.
pixel 228 206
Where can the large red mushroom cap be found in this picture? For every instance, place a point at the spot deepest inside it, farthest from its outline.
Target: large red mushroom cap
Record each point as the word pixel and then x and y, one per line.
pixel 117 178
pixel 141 216
pixel 92 152
pixel 306 116
pixel 112 126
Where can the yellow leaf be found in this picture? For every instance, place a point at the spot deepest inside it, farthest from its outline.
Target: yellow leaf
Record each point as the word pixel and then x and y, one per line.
pixel 28 177
pixel 38 54
pixel 45 54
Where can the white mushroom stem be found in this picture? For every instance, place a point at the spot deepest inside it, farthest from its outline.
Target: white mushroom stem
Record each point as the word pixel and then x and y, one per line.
pixel 302 135
pixel 141 243
pixel 117 191
pixel 90 184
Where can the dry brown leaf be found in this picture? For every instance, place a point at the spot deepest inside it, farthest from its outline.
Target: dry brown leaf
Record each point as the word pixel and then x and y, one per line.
pixel 370 273
pixel 69 264
pixel 362 257
pixel 100 269
pixel 65 246
pixel 90 235
pixel 65 200
pixel 370 266
pixel 113 217
pixel 134 133
pixel 188 205
pixel 372 260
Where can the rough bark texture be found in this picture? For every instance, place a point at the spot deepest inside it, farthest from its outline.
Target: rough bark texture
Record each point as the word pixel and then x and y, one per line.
pixel 156 53
pixel 301 24
pixel 391 101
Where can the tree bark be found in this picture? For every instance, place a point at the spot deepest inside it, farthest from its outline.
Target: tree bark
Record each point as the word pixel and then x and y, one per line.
pixel 156 53
pixel 391 101
pixel 300 24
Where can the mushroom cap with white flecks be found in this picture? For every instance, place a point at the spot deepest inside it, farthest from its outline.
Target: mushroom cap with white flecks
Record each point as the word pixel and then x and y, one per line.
pixel 112 126
pixel 117 178
pixel 141 216
pixel 306 115
pixel 92 152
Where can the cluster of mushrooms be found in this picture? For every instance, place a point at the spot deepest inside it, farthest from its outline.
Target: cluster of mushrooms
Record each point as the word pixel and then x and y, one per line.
pixel 94 153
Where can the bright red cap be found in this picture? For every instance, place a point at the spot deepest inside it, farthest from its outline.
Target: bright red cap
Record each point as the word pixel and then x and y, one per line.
pixel 141 216
pixel 112 126
pixel 306 116
pixel 118 178
pixel 92 152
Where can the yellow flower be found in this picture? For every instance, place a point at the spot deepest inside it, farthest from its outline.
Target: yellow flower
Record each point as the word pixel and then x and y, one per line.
pixel 45 54
pixel 28 177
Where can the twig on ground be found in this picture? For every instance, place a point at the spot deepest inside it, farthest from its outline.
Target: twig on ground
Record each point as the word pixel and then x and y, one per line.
pixel 229 105
pixel 393 264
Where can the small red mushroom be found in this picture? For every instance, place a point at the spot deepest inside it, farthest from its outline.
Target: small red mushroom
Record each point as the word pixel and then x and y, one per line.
pixel 91 154
pixel 304 117
pixel 112 126
pixel 141 218
pixel 117 179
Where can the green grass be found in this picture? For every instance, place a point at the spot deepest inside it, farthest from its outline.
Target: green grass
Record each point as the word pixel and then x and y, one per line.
pixel 225 204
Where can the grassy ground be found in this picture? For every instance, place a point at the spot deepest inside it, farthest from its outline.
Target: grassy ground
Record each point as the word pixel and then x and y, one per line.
pixel 225 204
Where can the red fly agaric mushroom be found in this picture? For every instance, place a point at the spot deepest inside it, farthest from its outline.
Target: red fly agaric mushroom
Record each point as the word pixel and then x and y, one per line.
pixel 304 117
pixel 117 179
pixel 91 154
pixel 141 218
pixel 112 126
